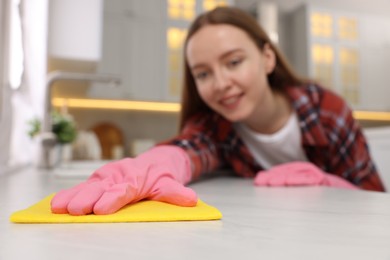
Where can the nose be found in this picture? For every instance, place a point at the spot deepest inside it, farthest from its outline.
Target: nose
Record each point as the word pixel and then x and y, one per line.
pixel 221 80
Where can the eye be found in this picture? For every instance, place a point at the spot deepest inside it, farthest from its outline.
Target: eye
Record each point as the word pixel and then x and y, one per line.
pixel 201 75
pixel 234 62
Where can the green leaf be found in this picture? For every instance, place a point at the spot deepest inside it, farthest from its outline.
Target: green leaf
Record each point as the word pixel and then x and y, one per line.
pixel 63 126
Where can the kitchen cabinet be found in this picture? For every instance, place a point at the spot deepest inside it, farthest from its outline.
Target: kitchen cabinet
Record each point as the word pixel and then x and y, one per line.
pixel 74 31
pixel 142 43
pixel 133 48
pixel 339 49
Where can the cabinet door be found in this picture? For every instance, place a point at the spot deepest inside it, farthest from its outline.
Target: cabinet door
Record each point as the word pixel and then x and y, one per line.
pixel 347 52
pixel 114 58
pixel 148 45
pixel 326 48
pixel 134 48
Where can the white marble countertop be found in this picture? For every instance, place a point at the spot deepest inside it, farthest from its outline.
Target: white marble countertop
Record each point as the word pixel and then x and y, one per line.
pixel 263 223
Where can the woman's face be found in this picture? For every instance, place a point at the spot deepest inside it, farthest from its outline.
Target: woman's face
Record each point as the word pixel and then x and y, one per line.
pixel 230 71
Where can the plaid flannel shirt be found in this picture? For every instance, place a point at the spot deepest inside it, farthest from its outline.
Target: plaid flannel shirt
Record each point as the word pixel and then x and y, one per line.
pixel 331 139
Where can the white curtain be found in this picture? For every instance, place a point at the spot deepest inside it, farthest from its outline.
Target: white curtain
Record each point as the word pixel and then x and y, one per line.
pixel 5 126
pixel 28 101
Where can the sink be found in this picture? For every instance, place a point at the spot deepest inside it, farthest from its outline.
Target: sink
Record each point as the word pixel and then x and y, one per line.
pixel 78 169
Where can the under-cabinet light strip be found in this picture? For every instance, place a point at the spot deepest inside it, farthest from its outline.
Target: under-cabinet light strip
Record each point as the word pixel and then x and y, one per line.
pixel 372 115
pixel 171 107
pixel 116 104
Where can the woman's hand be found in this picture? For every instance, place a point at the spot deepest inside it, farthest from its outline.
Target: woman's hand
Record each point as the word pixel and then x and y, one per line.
pixel 159 174
pixel 299 174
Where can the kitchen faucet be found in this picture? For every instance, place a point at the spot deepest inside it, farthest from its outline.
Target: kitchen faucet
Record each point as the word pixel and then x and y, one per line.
pixel 48 138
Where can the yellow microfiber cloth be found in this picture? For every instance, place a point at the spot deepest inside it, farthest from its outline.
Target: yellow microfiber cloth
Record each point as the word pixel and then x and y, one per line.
pixel 143 211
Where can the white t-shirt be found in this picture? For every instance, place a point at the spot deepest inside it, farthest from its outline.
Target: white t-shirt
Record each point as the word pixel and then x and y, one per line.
pixel 273 149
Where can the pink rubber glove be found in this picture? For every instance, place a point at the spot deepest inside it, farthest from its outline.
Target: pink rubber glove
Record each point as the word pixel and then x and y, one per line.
pixel 299 174
pixel 158 174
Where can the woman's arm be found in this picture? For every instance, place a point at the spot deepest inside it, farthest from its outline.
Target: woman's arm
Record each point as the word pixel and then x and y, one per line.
pixel 353 160
pixel 197 140
pixel 349 153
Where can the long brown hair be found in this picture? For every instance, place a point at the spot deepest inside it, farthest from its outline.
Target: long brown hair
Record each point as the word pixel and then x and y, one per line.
pixel 282 75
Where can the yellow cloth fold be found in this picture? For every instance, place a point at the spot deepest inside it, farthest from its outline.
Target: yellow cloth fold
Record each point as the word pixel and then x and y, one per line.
pixel 143 211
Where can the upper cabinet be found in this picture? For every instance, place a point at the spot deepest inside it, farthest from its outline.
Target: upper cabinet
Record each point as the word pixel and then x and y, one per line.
pixel 75 29
pixel 336 48
pixel 133 48
pixel 142 43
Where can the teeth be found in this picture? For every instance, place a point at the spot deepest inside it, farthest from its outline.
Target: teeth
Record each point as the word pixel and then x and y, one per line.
pixel 230 101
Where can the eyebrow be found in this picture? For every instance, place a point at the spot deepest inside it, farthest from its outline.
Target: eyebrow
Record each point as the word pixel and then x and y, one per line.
pixel 221 57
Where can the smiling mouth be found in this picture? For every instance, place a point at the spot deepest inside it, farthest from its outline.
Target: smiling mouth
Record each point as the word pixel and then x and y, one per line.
pixel 231 102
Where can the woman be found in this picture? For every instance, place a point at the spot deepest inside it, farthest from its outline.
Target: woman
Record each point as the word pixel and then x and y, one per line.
pixel 244 108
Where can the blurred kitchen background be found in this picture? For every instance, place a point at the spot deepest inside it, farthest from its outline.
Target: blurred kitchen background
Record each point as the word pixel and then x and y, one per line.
pixel 113 68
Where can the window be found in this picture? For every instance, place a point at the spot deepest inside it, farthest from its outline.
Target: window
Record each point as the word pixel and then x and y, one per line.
pixel 15 47
pixel 321 25
pixel 348 28
pixel 178 9
pixel 2 51
pixel 349 70
pixel 323 59
pixel 175 39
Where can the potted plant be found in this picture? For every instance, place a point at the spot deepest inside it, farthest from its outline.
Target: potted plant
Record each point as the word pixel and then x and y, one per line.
pixel 65 131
